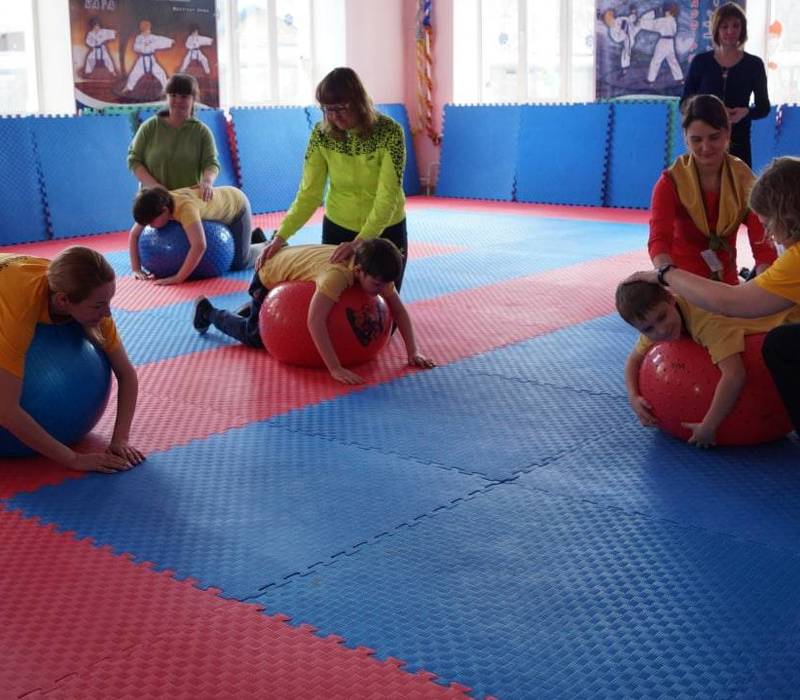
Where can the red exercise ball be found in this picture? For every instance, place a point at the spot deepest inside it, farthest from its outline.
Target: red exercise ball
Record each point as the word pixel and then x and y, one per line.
pixel 359 325
pixel 678 378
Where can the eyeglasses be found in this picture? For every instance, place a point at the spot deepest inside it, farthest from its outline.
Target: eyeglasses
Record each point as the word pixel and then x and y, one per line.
pixel 335 110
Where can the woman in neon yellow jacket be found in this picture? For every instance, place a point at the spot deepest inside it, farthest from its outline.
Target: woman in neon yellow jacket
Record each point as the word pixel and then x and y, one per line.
pixel 361 155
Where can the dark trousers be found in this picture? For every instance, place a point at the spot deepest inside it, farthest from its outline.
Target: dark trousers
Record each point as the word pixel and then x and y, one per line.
pixel 241 228
pixel 782 356
pixel 334 234
pixel 243 328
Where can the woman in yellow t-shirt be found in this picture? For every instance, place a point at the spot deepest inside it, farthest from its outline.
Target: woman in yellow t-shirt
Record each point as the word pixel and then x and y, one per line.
pixel 775 199
pixel 77 285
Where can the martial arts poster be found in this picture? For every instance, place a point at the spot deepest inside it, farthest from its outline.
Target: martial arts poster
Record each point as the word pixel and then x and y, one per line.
pixel 123 51
pixel 644 47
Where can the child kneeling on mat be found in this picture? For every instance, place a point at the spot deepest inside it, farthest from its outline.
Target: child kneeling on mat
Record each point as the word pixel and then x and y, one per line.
pixel 156 207
pixel 659 315
pixel 77 285
pixel 375 267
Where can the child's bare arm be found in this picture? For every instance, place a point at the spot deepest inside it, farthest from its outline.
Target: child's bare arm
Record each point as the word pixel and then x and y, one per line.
pixel 197 247
pixel 133 251
pixel 725 395
pixel 641 406
pixel 404 325
pixel 318 311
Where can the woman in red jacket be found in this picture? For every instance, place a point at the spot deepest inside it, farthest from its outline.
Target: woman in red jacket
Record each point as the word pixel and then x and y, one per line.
pixel 700 201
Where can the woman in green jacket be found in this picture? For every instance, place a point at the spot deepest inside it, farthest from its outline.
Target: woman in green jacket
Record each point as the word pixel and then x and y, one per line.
pixel 173 149
pixel 361 154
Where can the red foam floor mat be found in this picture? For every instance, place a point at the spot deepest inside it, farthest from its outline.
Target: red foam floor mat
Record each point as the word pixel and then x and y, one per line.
pixel 80 622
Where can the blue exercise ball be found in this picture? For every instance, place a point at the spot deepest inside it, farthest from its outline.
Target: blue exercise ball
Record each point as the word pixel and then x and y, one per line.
pixel 163 250
pixel 65 388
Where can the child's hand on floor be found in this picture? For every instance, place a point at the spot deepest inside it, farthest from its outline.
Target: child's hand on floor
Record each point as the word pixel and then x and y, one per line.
pixel 702 435
pixel 142 275
pixel 418 360
pixel 345 376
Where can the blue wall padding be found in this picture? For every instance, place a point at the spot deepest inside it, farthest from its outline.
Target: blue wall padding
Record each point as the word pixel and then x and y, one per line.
pixel 215 120
pixel 788 140
pixel 762 140
pixel 22 208
pixel 677 142
pixel 88 187
pixel 411 175
pixel 561 158
pixel 271 143
pixel 479 151
pixel 638 152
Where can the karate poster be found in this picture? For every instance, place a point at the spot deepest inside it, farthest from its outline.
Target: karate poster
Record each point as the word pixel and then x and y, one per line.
pixel 124 51
pixel 644 47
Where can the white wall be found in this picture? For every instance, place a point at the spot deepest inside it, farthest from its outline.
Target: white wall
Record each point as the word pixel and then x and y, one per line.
pixel 375 47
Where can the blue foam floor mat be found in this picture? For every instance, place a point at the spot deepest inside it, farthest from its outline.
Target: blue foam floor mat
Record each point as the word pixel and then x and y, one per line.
pixel 248 508
pixel 479 424
pixel 745 492
pixel 524 594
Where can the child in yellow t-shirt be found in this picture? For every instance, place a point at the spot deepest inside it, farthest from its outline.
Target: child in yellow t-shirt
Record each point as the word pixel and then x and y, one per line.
pixel 156 206
pixel 375 266
pixel 658 315
pixel 78 285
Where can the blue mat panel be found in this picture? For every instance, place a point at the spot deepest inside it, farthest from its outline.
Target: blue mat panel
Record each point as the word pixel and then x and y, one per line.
pixel 22 206
pixel 271 143
pixel 763 135
pixel 478 424
pixel 639 134
pixel 587 357
pixel 749 493
pixel 677 141
pixel 562 153
pixel 479 152
pixel 215 120
pixel 87 184
pixel 525 594
pixel 410 175
pixel 248 508
pixel 787 142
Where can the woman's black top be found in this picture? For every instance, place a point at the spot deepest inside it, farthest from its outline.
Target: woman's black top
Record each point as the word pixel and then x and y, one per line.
pixel 733 86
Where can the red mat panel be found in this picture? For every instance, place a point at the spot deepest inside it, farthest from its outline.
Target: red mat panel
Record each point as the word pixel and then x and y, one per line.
pixel 136 295
pixel 79 621
pixel 560 211
pixel 105 243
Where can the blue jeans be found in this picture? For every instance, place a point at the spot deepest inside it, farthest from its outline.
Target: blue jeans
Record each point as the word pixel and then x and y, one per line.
pixel 243 328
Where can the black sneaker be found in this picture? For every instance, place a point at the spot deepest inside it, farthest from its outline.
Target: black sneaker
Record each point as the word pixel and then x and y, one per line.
pixel 244 310
pixel 258 236
pixel 200 319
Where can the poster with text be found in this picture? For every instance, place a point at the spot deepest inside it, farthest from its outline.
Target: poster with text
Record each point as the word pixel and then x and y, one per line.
pixel 124 51
pixel 644 47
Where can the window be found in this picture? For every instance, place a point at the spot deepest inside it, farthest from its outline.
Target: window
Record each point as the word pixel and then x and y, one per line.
pixel 18 83
pixel 527 51
pixel 282 48
pixel 783 52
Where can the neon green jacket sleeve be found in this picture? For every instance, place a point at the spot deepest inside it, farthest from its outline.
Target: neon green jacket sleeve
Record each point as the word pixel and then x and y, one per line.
pixel 312 186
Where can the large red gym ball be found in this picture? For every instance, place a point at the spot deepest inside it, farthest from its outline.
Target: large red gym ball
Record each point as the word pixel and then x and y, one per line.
pixel 678 378
pixel 359 325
